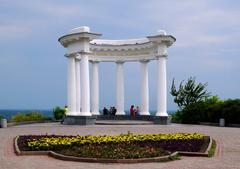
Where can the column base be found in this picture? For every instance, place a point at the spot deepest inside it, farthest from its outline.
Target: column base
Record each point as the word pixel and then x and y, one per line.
pixel 72 113
pixel 144 113
pixel 95 113
pixel 163 120
pixel 162 114
pixel 120 113
pixel 85 114
pixel 79 120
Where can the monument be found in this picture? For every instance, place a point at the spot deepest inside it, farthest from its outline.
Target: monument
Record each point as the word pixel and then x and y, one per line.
pixel 84 47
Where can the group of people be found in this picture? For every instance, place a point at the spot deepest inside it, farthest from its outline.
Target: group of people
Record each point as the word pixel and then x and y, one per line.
pixel 134 111
pixel 111 111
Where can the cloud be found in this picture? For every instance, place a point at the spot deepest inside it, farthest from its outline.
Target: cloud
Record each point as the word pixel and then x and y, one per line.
pixel 207 33
pixel 218 64
pixel 9 32
pixel 194 23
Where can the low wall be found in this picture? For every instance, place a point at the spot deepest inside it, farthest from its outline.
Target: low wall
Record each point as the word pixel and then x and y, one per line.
pixel 125 117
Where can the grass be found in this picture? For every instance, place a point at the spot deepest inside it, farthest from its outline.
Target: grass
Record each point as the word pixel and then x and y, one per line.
pixel 212 150
pixel 176 157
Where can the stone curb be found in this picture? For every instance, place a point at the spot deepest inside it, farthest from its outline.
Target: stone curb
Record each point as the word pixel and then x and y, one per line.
pixel 19 152
pixel 92 160
pixel 199 154
pixel 11 124
pixel 100 160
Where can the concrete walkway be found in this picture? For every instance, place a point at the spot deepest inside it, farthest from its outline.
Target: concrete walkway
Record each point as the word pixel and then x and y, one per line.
pixel 227 156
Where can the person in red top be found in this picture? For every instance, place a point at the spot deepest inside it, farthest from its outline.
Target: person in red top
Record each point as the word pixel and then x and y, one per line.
pixel 132 111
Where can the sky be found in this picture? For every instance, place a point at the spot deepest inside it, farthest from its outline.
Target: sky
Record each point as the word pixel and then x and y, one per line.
pixel 33 69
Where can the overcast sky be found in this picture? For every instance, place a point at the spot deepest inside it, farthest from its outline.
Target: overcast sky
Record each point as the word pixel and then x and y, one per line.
pixel 33 69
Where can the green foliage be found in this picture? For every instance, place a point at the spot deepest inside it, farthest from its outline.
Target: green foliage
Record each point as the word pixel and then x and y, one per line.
pixel 1 117
pixel 176 157
pixel 177 116
pixel 32 116
pixel 58 113
pixel 193 113
pixel 231 111
pixel 189 93
pixel 212 150
pixel 210 110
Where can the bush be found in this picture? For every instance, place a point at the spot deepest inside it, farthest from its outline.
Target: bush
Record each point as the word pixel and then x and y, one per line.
pixel 1 117
pixel 32 116
pixel 193 113
pixel 58 113
pixel 210 110
pixel 231 111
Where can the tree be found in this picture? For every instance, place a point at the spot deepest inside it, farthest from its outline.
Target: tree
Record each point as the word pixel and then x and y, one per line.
pixel 189 93
pixel 58 113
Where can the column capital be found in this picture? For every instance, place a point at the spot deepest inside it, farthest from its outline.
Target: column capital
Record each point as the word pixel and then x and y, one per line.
pixel 78 54
pixel 162 56
pixel 69 55
pixel 82 52
pixel 78 57
pixel 94 61
pixel 144 60
pixel 119 61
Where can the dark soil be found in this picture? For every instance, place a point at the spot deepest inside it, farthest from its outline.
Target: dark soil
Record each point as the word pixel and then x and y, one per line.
pixel 114 151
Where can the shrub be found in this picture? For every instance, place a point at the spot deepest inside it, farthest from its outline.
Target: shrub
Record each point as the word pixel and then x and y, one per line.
pixel 58 113
pixel 193 113
pixel 1 117
pixel 210 110
pixel 32 116
pixel 231 111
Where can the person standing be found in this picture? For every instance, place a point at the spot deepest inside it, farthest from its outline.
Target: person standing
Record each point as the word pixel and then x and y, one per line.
pixel 132 111
pixel 137 110
pixel 110 111
pixel 114 111
pixel 105 111
pixel 65 109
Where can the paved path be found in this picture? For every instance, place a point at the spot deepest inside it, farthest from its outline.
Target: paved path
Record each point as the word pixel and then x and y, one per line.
pixel 227 156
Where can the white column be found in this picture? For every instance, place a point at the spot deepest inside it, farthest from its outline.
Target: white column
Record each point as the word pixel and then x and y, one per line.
pixel 95 89
pixel 71 86
pixel 78 87
pixel 120 89
pixel 161 86
pixel 85 91
pixel 144 89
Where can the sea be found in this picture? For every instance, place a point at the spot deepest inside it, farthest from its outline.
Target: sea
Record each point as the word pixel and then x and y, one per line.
pixel 8 113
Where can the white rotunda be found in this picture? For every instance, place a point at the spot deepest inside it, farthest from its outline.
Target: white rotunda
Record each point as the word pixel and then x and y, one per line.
pixel 84 47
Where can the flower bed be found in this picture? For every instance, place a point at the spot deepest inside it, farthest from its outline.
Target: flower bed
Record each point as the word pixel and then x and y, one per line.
pixel 122 146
